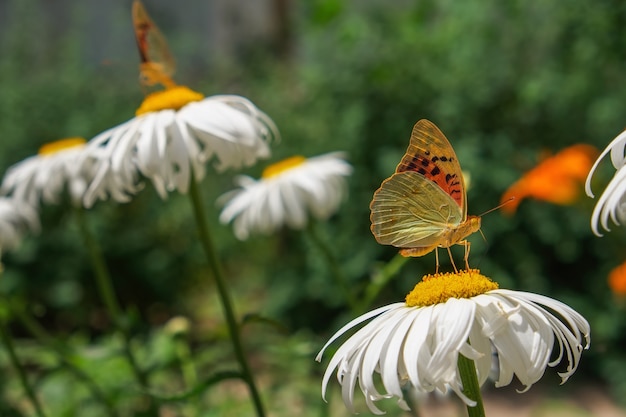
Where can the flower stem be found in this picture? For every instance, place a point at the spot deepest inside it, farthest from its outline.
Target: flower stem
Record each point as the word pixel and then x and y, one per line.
pixel 8 342
pixel 224 295
pixel 105 287
pixel 471 388
pixel 333 264
pixel 411 401
pixel 103 279
pixel 380 280
pixel 62 352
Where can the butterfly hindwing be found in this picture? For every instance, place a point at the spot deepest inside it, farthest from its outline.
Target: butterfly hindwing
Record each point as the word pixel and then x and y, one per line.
pixel 409 211
pixel 431 155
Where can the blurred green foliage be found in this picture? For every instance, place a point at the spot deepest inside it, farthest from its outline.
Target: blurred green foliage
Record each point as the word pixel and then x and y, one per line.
pixel 505 81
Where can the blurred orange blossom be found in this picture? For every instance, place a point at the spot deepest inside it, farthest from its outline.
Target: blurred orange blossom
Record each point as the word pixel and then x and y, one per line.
pixel 617 280
pixel 557 179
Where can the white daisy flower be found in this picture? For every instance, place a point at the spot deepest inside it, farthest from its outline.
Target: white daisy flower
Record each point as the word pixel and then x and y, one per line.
pixel 612 202
pixel 175 133
pixel 44 177
pixel 16 218
pixel 418 342
pixel 286 193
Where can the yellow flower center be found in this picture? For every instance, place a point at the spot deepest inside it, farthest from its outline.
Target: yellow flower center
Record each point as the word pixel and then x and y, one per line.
pixel 61 145
pixel 282 166
pixel 171 99
pixel 437 288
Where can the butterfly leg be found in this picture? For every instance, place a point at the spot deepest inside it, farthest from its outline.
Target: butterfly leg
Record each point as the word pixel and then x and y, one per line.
pixel 452 259
pixel 467 252
pixel 436 260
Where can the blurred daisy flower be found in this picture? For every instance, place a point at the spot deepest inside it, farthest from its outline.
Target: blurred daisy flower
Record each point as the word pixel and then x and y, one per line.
pixel 16 218
pixel 176 130
pixel 175 133
pixel 418 342
pixel 556 179
pixel 612 202
pixel 286 193
pixel 45 176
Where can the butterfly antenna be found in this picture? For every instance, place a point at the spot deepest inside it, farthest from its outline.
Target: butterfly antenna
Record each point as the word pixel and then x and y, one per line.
pixel 483 235
pixel 499 206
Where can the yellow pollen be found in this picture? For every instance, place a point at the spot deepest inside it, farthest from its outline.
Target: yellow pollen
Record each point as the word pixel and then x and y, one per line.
pixel 282 166
pixel 437 288
pixel 171 99
pixel 61 145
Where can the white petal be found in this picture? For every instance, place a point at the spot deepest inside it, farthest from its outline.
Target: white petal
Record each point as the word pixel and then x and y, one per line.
pixel 315 187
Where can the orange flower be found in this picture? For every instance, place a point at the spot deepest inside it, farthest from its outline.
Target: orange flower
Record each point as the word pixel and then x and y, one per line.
pixel 556 179
pixel 617 280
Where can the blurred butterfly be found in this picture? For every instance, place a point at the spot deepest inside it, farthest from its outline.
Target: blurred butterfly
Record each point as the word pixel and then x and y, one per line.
pixel 423 205
pixel 157 64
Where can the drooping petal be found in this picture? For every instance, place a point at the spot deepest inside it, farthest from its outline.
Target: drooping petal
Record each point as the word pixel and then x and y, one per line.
pixel 611 204
pixel 16 220
pixel 420 345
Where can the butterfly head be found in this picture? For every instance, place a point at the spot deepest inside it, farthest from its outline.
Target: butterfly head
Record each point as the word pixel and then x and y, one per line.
pixel 458 233
pixel 473 224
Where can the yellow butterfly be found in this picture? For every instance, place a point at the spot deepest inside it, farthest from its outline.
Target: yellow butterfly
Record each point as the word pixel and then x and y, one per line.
pixel 423 205
pixel 157 64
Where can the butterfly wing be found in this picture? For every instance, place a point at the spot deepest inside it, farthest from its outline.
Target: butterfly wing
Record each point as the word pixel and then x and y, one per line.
pixel 411 211
pixel 431 155
pixel 153 50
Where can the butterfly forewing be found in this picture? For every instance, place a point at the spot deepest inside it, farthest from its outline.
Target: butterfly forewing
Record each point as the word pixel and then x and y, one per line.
pixel 408 210
pixel 431 155
pixel 151 43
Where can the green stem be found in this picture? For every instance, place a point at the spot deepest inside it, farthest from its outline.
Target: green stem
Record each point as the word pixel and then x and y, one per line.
pixel 8 342
pixel 411 401
pixel 333 264
pixel 103 279
pixel 471 388
pixel 380 280
pixel 62 352
pixel 224 295
pixel 199 388
pixel 105 287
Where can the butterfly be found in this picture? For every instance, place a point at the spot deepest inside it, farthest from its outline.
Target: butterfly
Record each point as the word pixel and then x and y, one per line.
pixel 423 205
pixel 157 64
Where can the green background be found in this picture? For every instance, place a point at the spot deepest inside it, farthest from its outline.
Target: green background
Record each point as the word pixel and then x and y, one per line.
pixel 505 81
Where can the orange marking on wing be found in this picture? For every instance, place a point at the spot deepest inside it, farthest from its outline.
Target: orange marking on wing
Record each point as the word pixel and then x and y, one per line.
pixel 431 155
